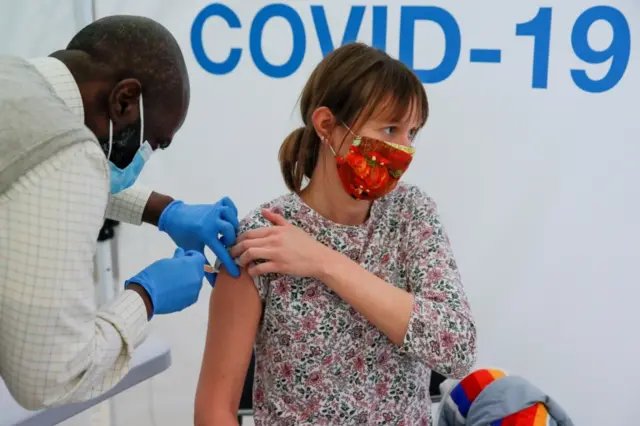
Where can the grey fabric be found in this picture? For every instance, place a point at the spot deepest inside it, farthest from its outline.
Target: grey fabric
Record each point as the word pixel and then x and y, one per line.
pixel 34 122
pixel 447 416
pixel 509 395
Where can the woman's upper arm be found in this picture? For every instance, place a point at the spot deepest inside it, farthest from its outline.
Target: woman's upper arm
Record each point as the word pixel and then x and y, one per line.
pixel 234 314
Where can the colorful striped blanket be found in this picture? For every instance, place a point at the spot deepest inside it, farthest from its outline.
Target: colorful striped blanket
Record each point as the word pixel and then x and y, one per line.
pixel 490 397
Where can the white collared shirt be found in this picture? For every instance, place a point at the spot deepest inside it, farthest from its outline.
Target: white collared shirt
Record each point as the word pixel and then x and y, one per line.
pixel 56 345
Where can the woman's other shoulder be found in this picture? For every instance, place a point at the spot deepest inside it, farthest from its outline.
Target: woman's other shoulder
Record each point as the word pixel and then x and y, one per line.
pixel 409 202
pixel 416 215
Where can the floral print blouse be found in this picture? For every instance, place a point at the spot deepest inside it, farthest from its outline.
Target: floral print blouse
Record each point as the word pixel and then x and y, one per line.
pixel 319 362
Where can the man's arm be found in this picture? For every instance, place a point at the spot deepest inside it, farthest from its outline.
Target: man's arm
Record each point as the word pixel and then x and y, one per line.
pixel 234 314
pixel 154 208
pixel 191 227
pixel 136 205
pixel 56 346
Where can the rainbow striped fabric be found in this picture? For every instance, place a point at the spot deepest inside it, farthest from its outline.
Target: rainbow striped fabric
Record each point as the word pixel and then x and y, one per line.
pixel 536 415
pixel 465 392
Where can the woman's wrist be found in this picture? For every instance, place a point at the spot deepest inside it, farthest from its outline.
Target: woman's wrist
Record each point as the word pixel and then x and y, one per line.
pixel 330 261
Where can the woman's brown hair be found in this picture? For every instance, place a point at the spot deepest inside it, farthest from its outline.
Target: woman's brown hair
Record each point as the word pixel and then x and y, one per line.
pixel 352 81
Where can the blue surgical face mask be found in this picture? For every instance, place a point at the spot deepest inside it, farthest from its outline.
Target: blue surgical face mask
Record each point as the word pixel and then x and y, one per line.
pixel 122 179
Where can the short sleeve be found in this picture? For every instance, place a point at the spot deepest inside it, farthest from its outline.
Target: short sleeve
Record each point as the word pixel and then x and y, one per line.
pixel 254 220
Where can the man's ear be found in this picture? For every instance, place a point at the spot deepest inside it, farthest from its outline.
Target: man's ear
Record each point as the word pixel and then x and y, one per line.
pixel 124 103
pixel 323 122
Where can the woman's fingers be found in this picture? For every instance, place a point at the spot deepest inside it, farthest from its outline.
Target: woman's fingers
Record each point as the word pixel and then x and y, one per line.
pixel 237 250
pixel 256 270
pixel 274 218
pixel 242 246
pixel 253 254
pixel 257 233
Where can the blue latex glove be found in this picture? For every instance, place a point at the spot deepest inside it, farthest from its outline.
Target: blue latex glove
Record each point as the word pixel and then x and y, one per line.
pixel 194 226
pixel 172 284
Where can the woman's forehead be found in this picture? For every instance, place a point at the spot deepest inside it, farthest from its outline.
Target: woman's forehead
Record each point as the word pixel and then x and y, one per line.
pixel 394 111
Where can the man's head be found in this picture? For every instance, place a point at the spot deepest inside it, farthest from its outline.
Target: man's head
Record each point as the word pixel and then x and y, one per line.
pixel 115 61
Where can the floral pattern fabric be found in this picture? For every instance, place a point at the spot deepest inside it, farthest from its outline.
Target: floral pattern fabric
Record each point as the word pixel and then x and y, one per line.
pixel 320 362
pixel 371 168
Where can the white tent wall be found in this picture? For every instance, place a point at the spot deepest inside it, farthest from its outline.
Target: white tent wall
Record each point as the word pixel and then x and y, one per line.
pixel 538 187
pixel 38 27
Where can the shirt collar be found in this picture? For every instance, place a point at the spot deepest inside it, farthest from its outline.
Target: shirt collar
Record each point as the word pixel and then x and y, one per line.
pixel 60 78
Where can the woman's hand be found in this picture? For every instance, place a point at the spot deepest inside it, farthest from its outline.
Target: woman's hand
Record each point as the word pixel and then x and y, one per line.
pixel 283 248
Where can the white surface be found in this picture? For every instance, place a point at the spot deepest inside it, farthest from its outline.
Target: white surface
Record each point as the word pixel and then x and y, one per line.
pixel 538 189
pixel 152 357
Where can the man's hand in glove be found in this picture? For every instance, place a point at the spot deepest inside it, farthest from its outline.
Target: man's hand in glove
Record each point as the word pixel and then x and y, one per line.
pixel 192 227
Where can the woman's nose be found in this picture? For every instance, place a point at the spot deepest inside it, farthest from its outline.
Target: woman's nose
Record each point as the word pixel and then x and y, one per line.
pixel 403 139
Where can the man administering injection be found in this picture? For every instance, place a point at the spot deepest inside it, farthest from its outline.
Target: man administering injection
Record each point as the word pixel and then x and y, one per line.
pixel 76 129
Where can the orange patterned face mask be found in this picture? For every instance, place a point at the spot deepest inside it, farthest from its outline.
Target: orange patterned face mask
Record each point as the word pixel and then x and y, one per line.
pixel 372 168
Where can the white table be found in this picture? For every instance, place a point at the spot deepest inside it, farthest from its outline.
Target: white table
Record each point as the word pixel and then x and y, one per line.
pixel 151 358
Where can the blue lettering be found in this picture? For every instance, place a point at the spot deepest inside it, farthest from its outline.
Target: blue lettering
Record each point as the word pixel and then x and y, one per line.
pixel 540 29
pixel 453 40
pixel 324 34
pixel 379 27
pixel 197 45
pixel 299 40
pixel 616 54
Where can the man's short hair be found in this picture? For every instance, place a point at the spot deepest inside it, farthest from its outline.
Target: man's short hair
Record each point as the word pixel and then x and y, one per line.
pixel 136 47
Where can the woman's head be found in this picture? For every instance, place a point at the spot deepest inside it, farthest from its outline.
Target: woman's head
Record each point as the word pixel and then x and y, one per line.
pixel 355 90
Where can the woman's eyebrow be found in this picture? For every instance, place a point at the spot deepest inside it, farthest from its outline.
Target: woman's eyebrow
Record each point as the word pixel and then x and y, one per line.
pixel 389 122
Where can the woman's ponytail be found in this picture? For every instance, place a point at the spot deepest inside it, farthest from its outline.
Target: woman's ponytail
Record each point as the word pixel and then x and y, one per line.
pixel 298 157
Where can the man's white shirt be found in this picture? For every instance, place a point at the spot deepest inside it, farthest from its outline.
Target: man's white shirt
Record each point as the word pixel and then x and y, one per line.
pixel 56 345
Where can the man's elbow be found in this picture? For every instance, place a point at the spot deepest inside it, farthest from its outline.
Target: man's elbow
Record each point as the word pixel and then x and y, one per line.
pixel 36 395
pixel 28 397
pixel 52 385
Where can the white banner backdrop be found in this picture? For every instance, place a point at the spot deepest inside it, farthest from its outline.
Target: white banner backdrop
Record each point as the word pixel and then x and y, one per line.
pixel 531 151
pixel 38 27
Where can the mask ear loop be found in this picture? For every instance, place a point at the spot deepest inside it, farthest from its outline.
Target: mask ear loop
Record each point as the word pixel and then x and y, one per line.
pixel 141 130
pixel 333 151
pixel 349 129
pixel 325 141
pixel 110 139
pixel 141 121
